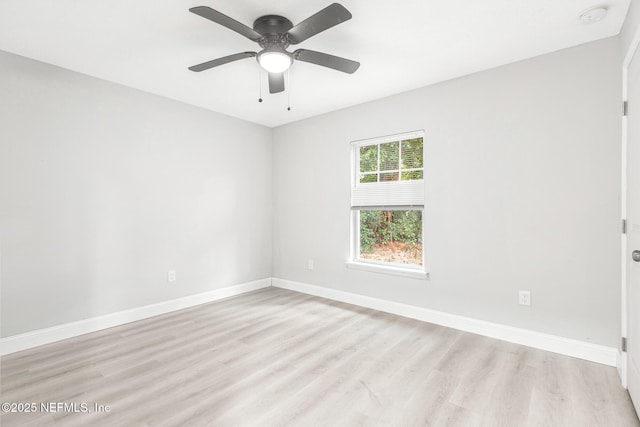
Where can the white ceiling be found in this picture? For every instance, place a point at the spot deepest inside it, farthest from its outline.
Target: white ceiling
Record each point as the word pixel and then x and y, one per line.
pixel 402 45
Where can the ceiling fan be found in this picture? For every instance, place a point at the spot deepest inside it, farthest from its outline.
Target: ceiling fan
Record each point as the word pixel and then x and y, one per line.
pixel 274 34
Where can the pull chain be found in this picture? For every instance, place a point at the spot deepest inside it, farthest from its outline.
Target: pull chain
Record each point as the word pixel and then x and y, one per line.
pixel 259 84
pixel 289 91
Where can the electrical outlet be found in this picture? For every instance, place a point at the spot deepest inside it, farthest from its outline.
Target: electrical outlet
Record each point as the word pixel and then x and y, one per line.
pixel 310 264
pixel 171 276
pixel 524 298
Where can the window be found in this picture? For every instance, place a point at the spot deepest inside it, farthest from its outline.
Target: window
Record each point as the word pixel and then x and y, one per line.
pixel 387 199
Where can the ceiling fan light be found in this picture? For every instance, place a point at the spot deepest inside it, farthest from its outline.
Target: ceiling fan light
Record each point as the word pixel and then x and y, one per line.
pixel 274 61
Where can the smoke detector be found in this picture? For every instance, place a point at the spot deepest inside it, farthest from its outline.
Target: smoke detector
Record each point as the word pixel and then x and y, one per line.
pixel 593 15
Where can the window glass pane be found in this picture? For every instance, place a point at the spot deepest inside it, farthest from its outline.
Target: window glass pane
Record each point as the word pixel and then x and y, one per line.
pixel 389 156
pixel 369 158
pixel 412 154
pixel 369 177
pixel 391 236
pixel 409 175
pixel 389 176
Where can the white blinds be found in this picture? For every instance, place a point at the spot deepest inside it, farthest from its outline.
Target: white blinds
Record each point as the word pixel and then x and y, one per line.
pixel 388 194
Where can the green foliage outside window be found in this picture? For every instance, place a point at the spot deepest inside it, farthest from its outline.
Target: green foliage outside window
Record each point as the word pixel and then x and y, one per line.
pixel 382 227
pixel 381 162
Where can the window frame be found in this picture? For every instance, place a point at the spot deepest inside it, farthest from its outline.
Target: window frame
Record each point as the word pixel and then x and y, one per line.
pixel 355 261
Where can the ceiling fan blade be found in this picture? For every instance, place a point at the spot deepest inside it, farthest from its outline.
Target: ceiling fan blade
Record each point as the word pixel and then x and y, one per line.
pixel 326 60
pixel 225 21
pixel 220 61
pixel 328 17
pixel 276 82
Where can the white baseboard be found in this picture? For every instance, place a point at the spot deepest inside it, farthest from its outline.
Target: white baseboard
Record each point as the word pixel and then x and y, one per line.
pixel 622 368
pixel 569 347
pixel 39 337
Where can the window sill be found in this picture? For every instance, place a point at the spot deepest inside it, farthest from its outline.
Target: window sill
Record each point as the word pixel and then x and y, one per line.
pixel 387 269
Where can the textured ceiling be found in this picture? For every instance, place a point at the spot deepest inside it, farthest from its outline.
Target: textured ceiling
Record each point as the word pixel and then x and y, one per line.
pixel 402 45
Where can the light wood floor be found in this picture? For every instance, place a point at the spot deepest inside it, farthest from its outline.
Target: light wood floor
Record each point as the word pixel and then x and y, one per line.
pixel 275 357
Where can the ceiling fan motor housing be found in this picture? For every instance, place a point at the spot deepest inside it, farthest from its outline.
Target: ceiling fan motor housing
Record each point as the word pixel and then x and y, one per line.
pixel 274 35
pixel 272 25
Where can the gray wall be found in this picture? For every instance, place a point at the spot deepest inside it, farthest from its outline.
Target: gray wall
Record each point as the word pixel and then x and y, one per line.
pixel 522 192
pixel 104 188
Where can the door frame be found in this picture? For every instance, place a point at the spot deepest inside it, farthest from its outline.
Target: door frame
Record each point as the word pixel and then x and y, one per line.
pixel 628 56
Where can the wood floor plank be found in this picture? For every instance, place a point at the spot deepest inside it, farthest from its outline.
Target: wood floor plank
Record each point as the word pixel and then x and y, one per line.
pixel 274 357
pixel 390 384
pixel 333 378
